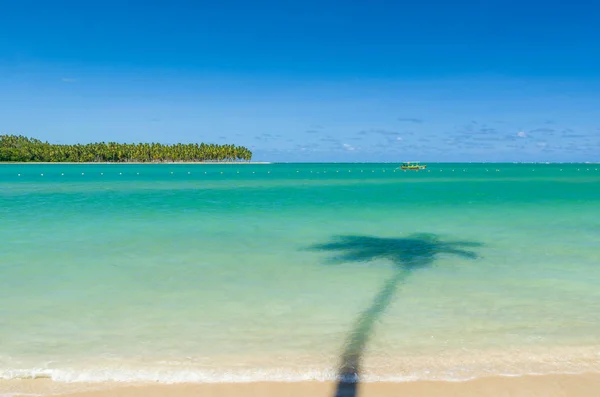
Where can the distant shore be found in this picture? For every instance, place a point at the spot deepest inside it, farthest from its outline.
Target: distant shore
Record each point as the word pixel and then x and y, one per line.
pixel 580 385
pixel 142 162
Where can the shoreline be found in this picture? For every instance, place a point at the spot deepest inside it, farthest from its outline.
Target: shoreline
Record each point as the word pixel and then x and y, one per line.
pixel 581 385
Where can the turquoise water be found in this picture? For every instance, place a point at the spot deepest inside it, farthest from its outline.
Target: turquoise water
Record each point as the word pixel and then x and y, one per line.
pixel 208 273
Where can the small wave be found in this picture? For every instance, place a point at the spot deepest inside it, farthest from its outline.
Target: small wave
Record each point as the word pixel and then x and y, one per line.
pixel 34 373
pixel 198 376
pixel 167 377
pixel 195 376
pixel 19 394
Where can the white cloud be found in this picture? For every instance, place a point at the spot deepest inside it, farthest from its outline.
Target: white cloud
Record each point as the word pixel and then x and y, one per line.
pixel 68 80
pixel 399 139
pixel 521 134
pixel 348 147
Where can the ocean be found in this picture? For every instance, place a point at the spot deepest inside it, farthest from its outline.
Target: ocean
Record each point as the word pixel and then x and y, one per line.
pixel 253 272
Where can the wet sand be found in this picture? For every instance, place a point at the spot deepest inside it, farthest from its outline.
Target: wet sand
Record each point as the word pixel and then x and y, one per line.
pixel 584 385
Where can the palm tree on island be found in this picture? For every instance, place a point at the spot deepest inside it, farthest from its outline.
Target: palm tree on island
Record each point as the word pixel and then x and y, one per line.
pixel 22 149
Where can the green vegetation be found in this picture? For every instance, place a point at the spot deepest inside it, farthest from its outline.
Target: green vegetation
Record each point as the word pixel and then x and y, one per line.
pixel 23 149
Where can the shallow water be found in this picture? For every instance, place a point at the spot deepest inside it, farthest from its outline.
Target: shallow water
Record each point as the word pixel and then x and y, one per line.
pixel 224 272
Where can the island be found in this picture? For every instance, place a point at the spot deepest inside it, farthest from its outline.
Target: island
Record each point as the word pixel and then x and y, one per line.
pixel 17 148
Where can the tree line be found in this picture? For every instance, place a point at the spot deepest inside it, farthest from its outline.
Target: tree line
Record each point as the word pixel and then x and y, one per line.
pixel 24 149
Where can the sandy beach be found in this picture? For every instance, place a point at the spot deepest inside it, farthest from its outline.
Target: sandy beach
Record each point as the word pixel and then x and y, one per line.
pixel 584 385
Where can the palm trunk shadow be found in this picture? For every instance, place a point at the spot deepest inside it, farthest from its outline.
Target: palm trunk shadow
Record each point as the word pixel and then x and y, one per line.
pixel 417 251
pixel 350 366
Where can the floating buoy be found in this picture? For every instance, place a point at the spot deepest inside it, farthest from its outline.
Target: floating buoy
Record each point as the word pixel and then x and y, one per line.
pixel 221 172
pixel 63 174
pixel 120 173
pixel 102 173
pixel 188 172
pixel 138 173
pixel 82 173
pixel 171 172
pixel 42 174
pixel 18 174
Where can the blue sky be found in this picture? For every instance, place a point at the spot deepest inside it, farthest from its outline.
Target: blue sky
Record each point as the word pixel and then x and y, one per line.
pixel 311 80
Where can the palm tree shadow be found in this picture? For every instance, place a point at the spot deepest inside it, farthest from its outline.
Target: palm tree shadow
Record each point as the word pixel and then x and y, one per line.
pixel 406 254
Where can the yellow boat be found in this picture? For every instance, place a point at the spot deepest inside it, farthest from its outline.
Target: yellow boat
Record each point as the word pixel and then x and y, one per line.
pixel 414 165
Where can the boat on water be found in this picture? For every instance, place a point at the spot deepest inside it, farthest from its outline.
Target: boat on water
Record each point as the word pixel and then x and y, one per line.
pixel 412 165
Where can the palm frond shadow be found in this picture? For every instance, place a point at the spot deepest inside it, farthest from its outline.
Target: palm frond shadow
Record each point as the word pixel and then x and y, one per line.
pixel 406 254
